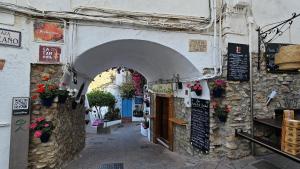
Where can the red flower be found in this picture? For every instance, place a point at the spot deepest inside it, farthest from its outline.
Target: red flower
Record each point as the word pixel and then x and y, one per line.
pixel 40 85
pixel 33 125
pixel 34 97
pixel 38 134
pixel 45 78
pixel 40 119
pixel 41 90
pixel 46 125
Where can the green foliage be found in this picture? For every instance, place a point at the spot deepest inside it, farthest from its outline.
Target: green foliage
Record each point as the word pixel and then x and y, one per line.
pixel 127 90
pixel 113 115
pixel 101 98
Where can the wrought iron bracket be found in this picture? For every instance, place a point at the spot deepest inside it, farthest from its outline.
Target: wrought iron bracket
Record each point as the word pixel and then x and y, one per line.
pixel 270 32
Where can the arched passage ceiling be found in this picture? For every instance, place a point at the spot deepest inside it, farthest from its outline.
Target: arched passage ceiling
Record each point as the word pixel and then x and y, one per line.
pixel 153 60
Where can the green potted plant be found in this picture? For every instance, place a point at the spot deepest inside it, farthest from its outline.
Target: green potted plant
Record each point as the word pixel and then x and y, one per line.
pixel 62 95
pixel 197 88
pixel 47 92
pixel 42 129
pixel 221 112
pixel 218 88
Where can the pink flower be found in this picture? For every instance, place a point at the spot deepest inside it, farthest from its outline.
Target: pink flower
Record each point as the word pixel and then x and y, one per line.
pixel 46 125
pixel 38 134
pixel 33 125
pixel 219 82
pixel 40 119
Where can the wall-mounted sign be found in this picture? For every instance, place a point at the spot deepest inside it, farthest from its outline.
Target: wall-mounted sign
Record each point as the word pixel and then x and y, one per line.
pixel 49 54
pixel 10 37
pixel 20 105
pixel 200 124
pixel 48 31
pixel 2 63
pixel 198 46
pixel 238 66
pixel 162 88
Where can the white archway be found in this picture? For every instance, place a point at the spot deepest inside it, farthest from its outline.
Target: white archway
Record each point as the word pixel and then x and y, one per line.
pixel 153 60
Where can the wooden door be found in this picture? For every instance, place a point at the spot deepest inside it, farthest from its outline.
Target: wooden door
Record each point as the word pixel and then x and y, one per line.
pixel 163 127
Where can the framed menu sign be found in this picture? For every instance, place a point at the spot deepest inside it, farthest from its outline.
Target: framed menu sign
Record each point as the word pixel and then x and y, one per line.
pixel 238 66
pixel 200 124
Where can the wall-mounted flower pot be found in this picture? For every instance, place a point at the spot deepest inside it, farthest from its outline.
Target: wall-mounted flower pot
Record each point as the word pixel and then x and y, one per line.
pixel 62 98
pixel 222 118
pixel 47 102
pixel 45 137
pixel 218 92
pixel 74 104
pixel 198 93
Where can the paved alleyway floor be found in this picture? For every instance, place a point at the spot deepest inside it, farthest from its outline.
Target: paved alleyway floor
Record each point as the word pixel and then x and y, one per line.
pixel 127 146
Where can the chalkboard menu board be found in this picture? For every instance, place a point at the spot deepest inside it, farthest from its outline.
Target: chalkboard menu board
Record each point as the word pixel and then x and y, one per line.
pixel 238 66
pixel 200 124
pixel 271 50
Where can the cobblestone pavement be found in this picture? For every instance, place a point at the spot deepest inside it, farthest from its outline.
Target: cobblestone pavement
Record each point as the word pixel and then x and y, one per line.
pixel 126 145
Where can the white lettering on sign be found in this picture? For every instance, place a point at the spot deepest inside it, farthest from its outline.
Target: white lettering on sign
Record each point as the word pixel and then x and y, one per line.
pixel 10 38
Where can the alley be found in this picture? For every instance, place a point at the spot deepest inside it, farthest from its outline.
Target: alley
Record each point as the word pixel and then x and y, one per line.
pixel 126 145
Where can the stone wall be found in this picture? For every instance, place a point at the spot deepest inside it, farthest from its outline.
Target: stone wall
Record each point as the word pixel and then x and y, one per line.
pixel 222 135
pixel 68 137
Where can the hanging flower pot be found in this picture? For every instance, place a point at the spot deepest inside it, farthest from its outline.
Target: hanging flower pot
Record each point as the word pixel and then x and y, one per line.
pixel 47 102
pixel 45 137
pixel 222 118
pixel 198 93
pixel 218 92
pixel 74 104
pixel 62 96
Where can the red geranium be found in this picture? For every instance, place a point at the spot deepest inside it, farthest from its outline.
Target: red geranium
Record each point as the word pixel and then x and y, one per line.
pixel 41 126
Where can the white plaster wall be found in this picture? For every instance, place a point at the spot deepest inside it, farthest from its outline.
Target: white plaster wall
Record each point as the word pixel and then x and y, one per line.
pixel 15 78
pixel 266 12
pixel 177 41
pixel 176 7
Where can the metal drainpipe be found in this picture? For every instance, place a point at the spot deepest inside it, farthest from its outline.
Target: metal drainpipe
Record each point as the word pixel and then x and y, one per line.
pixel 250 22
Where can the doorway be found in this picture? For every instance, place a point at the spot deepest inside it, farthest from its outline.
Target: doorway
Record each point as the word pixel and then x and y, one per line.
pixel 163 127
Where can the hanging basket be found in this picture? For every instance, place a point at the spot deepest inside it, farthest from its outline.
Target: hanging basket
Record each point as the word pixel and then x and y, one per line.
pixel 288 57
pixel 45 137
pixel 47 102
pixel 62 98
pixel 198 92
pixel 218 92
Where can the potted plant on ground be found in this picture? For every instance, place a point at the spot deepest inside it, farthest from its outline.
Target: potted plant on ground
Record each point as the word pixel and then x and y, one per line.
pixel 47 92
pixel 197 88
pixel 221 112
pixel 42 129
pixel 218 88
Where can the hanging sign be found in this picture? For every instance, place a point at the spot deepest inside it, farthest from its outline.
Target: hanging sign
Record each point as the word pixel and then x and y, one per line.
pixel 49 54
pixel 238 66
pixel 200 124
pixel 20 105
pixel 48 31
pixel 10 38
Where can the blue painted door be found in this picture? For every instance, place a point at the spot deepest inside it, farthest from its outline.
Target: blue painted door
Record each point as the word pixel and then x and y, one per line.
pixel 126 108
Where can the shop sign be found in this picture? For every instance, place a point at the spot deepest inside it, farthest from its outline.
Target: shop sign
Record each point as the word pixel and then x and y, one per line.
pixel 162 88
pixel 10 37
pixel 49 54
pixel 198 46
pixel 48 31
pixel 20 105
